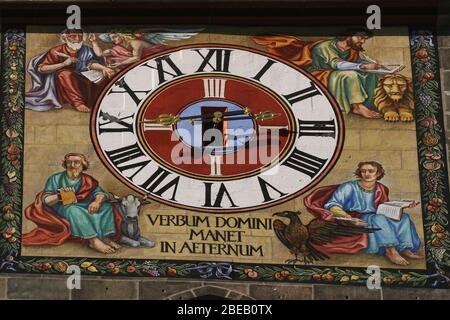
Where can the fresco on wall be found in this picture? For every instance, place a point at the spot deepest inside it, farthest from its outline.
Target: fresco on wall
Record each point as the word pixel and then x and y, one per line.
pixel 207 153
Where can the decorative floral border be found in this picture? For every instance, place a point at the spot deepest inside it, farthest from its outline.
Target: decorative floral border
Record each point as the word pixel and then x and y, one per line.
pixel 11 144
pixel 433 174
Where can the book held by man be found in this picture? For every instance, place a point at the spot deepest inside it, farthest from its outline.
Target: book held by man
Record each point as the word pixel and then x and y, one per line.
pixel 388 69
pixel 93 75
pixel 67 196
pixel 394 209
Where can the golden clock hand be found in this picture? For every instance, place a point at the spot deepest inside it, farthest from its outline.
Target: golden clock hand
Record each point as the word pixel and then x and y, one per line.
pixel 164 119
pixel 214 114
pixel 216 117
pixel 266 115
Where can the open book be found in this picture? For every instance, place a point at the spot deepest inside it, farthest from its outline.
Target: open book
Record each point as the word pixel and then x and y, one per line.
pixel 67 197
pixel 93 75
pixel 394 209
pixel 387 69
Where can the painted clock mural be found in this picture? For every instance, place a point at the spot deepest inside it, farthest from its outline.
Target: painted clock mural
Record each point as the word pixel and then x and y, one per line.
pixel 205 152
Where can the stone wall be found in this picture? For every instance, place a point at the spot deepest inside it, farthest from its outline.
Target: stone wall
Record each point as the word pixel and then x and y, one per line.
pixel 54 288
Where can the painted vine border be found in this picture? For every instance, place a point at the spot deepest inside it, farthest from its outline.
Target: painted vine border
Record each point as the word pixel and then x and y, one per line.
pixel 11 143
pixel 433 175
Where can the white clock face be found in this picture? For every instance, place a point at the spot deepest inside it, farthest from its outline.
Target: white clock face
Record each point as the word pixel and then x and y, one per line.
pixel 217 128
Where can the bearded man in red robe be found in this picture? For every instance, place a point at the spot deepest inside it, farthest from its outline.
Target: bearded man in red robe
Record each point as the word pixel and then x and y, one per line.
pixel 58 75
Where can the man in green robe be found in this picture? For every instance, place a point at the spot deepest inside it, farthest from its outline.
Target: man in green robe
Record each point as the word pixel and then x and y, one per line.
pixel 349 80
pixel 338 63
pixel 72 205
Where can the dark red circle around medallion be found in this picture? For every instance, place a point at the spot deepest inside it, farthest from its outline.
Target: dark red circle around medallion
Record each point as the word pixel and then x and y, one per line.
pixel 179 95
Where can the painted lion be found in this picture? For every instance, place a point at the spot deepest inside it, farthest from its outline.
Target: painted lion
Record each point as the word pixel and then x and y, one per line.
pixel 394 98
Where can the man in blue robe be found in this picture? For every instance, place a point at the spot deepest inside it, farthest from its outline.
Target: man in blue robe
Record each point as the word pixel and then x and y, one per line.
pixel 359 199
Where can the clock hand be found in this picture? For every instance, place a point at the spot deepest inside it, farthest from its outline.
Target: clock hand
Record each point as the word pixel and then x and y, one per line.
pixel 107 116
pixel 169 119
pixel 266 115
pixel 212 115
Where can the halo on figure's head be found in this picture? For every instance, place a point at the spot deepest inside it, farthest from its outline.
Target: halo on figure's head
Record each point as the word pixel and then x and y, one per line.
pixel 377 165
pixel 84 160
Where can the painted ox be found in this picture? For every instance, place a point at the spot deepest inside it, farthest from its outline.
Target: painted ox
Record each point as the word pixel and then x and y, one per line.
pixel 130 207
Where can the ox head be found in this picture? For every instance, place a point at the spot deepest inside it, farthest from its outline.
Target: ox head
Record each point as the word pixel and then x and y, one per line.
pixel 130 205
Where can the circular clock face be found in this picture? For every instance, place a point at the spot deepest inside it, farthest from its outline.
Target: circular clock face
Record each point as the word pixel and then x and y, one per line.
pixel 217 128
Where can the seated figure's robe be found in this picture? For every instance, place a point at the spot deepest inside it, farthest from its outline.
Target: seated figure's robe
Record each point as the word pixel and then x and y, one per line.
pixel 67 83
pixel 362 204
pixel 320 58
pixel 346 86
pixel 57 223
pixel 119 54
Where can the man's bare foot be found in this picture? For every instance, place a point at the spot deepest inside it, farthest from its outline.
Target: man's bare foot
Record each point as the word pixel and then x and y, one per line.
pixel 100 246
pixel 83 108
pixel 111 243
pixel 393 255
pixel 409 254
pixel 362 110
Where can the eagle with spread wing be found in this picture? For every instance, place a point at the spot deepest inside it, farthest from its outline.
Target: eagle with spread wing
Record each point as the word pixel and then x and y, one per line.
pixel 300 239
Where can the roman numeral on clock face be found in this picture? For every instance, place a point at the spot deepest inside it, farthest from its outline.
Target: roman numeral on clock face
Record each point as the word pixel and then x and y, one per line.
pixel 216 162
pixel 264 185
pixel 219 196
pixel 124 154
pixel 317 128
pixel 115 124
pixel 216 59
pixel 132 93
pixel 122 158
pixel 264 69
pixel 304 162
pixel 214 88
pixel 302 94
pixel 156 127
pixel 157 178
pixel 165 66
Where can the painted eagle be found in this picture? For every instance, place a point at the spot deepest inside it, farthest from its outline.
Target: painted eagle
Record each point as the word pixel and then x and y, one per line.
pixel 300 239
